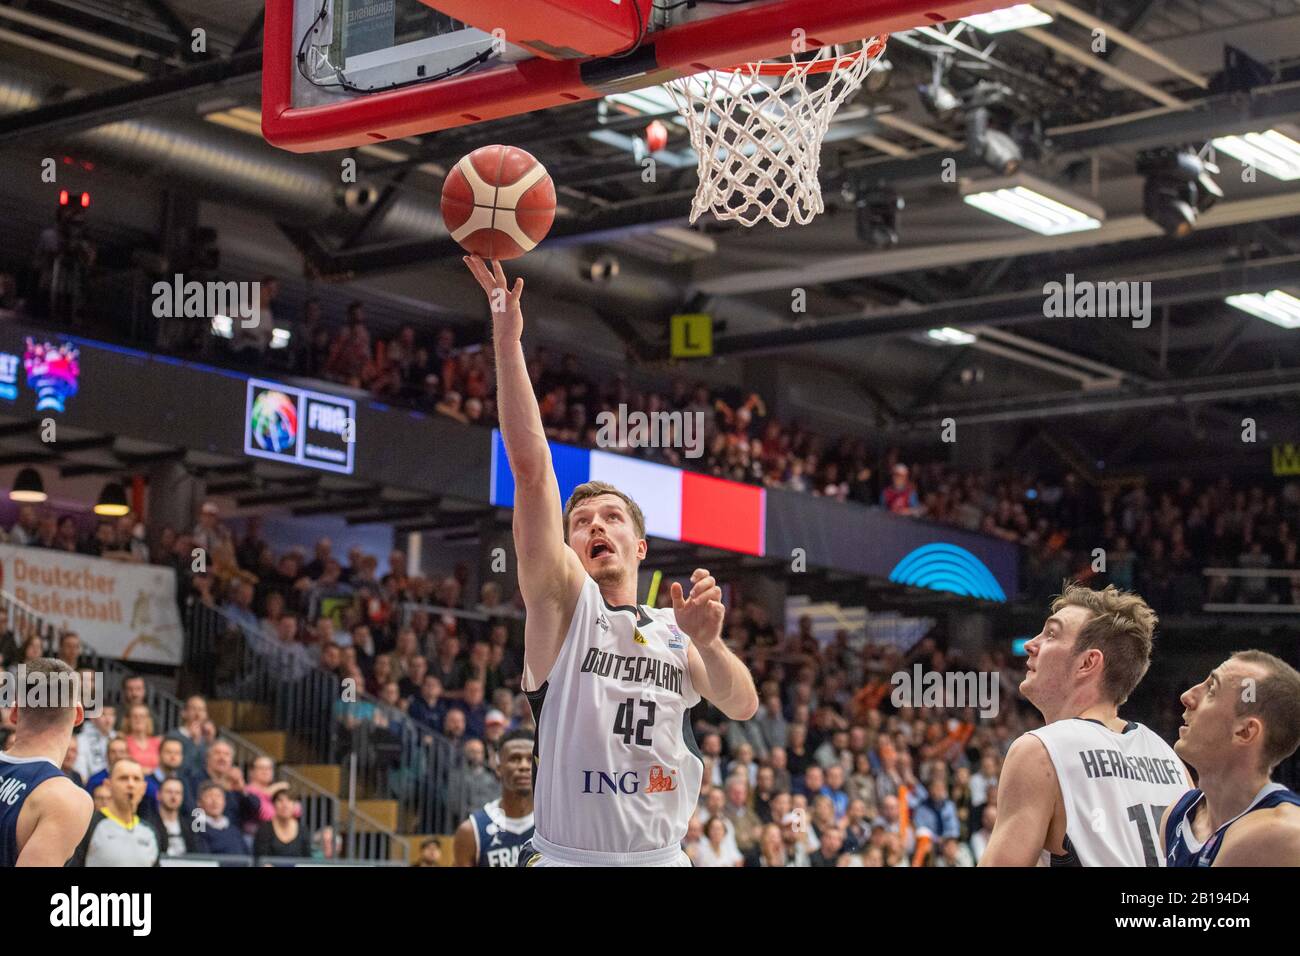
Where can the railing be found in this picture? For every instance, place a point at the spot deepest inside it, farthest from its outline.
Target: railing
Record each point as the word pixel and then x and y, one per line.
pixel 395 757
pixel 387 754
pixel 365 839
pixel 504 613
pixel 360 836
pixel 227 661
pixel 1249 591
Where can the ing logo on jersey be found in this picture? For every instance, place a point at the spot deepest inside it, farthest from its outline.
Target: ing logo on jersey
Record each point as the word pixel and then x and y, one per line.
pixel 676 642
pixel 659 782
pixel 639 637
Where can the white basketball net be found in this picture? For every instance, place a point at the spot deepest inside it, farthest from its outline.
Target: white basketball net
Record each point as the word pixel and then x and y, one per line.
pixel 760 146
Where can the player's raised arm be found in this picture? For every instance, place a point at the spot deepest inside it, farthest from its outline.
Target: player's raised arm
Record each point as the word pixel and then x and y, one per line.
pixel 550 574
pixel 1027 792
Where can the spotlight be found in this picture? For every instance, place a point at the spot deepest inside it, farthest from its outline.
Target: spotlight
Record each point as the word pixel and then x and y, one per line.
pixel 28 486
pixel 1177 190
pixel 603 269
pixel 877 212
pixel 936 97
pixel 112 501
pixel 995 149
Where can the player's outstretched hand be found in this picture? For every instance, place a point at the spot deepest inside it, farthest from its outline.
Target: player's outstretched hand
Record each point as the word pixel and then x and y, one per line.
pixel 503 300
pixel 701 614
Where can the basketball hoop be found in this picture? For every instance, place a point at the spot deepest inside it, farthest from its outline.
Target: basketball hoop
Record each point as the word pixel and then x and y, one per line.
pixel 760 145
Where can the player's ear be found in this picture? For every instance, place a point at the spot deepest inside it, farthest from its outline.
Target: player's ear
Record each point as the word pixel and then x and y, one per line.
pixel 642 548
pixel 79 716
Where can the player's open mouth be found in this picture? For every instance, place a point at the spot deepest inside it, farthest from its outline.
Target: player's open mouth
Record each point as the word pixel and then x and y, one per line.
pixel 599 548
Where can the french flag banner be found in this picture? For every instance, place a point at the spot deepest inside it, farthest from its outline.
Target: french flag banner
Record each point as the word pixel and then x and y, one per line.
pixel 678 505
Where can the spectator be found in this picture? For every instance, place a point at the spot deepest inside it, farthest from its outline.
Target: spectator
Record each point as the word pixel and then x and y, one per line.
pixel 430 853
pixel 428 706
pixel 170 817
pixel 239 807
pixel 828 853
pixel 215 833
pixel 715 849
pixel 92 742
pixel 900 497
pixel 745 824
pixel 281 836
pixel 210 534
pixel 70 649
pixel 195 732
pixel 473 784
pixel 171 764
pixel 25 531
pixel 770 850
pixel 142 744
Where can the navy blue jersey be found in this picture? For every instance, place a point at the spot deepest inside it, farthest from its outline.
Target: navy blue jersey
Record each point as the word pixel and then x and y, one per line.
pixel 499 837
pixel 19 776
pixel 1181 846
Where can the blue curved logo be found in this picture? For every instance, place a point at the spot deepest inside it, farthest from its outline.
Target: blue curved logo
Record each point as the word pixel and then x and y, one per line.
pixel 946 567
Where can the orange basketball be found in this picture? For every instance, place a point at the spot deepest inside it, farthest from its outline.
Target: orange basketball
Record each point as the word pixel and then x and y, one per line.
pixel 498 202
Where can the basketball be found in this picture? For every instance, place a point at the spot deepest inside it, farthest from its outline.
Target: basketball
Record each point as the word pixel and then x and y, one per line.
pixel 498 202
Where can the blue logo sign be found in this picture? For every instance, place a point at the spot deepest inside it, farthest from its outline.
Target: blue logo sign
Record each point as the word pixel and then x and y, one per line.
pixel 947 567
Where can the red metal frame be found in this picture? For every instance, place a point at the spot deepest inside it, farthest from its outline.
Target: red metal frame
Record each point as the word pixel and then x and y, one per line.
pixel 745 34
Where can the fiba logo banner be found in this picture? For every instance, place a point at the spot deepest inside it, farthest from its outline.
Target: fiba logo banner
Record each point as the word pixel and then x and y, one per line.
pixel 273 422
pixel 53 371
pixel 948 567
pixel 300 427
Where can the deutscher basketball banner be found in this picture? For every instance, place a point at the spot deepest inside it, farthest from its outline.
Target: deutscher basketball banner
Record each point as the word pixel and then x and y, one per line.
pixel 126 611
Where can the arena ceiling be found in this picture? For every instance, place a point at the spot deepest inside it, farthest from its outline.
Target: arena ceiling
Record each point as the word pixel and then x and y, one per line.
pixel 1104 394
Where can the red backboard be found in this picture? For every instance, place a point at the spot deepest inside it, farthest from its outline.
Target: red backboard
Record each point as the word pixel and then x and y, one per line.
pixel 345 73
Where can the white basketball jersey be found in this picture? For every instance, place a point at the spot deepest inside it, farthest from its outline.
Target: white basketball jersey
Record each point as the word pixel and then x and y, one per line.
pixel 1115 787
pixel 616 766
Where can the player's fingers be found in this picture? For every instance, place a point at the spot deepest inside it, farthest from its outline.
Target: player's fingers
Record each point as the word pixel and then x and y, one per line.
pixel 702 586
pixel 499 273
pixel 713 596
pixel 518 290
pixel 480 272
pixel 698 573
pixel 676 591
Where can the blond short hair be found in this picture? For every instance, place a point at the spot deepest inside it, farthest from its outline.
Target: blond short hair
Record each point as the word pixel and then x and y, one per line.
pixel 593 489
pixel 1122 627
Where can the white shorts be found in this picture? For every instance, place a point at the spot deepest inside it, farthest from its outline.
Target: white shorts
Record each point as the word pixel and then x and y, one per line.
pixel 541 852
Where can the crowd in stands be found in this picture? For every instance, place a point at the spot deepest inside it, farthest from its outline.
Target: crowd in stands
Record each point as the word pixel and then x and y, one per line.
pixel 829 773
pixel 1157 541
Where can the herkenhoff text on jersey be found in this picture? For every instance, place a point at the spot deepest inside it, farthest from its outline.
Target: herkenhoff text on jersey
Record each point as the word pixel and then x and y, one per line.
pixel 636 669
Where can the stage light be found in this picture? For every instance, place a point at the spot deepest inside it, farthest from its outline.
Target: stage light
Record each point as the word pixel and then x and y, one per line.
pixel 994 147
pixel 876 209
pixel 1178 188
